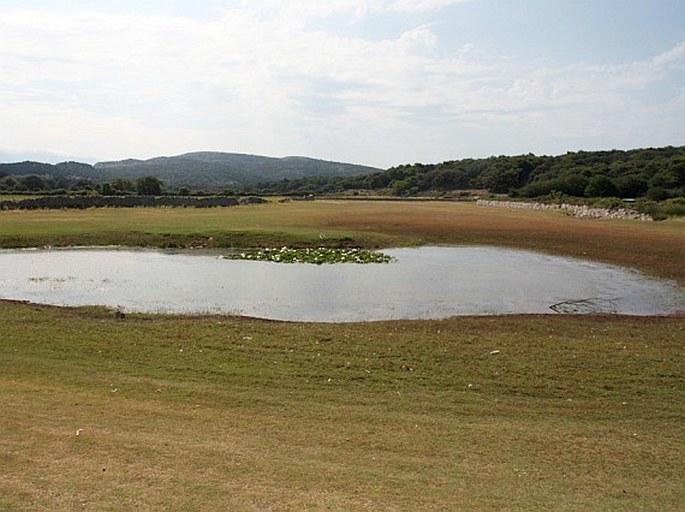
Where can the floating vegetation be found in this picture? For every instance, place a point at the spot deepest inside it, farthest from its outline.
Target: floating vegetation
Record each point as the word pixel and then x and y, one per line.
pixel 318 255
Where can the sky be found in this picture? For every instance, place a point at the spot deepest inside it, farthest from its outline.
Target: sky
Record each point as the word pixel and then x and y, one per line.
pixel 374 82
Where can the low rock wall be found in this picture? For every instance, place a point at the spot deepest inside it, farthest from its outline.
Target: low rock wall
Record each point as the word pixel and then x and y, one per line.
pixel 580 211
pixel 82 202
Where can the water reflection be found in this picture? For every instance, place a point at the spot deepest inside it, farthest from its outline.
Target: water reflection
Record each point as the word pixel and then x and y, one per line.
pixel 425 282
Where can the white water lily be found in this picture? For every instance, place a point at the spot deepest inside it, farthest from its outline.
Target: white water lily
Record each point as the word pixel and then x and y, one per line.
pixel 318 255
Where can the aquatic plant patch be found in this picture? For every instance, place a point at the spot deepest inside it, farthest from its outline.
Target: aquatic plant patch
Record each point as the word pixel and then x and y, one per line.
pixel 317 255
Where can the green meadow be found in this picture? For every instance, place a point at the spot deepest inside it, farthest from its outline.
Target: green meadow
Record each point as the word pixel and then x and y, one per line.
pixel 524 412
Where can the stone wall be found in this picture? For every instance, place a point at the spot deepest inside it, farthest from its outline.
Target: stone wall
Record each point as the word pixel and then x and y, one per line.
pixel 81 202
pixel 580 211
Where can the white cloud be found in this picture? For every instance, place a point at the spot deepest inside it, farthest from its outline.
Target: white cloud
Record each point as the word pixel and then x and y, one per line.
pixel 261 79
pixel 312 9
pixel 421 5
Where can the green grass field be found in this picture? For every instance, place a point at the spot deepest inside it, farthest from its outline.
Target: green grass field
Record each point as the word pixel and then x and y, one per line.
pixel 531 413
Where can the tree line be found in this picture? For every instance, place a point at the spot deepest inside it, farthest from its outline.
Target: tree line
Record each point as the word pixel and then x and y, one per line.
pixel 653 173
pixel 656 174
pixel 32 183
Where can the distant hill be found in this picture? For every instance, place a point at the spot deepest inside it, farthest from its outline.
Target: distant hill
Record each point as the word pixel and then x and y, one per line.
pixel 215 170
pixel 200 170
pixel 61 170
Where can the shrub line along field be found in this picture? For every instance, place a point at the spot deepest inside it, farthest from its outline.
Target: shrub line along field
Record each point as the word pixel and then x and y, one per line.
pixel 524 412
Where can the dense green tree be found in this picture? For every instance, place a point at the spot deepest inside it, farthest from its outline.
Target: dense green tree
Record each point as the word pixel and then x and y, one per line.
pixel 658 193
pixel 665 179
pixel 106 189
pixel 601 186
pixel 8 183
pixel 444 179
pixel 123 186
pixel 630 185
pixel 572 185
pixel 34 183
pixel 84 184
pixel 676 166
pixel 501 177
pixel 149 186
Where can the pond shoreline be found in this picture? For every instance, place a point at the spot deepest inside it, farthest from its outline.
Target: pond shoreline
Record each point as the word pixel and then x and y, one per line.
pixel 430 282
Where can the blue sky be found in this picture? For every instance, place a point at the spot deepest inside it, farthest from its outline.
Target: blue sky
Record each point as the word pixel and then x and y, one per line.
pixel 378 82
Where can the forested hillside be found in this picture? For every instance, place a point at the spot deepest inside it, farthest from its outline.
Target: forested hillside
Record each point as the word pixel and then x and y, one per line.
pixel 213 171
pixel 196 171
pixel 653 173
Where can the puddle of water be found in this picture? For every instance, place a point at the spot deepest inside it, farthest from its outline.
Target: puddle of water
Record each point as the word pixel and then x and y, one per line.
pixel 424 282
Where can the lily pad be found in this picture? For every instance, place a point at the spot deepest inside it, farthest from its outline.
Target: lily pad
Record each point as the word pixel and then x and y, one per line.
pixel 318 255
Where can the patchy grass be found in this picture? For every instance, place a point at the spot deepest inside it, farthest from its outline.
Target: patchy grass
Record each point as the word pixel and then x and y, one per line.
pixel 175 413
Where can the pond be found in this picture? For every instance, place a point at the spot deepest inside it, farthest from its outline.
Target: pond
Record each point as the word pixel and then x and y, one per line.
pixel 424 282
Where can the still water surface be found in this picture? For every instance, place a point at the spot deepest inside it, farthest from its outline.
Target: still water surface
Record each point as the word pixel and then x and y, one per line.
pixel 425 282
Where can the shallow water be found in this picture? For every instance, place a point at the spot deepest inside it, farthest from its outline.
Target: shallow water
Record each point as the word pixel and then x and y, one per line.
pixel 425 282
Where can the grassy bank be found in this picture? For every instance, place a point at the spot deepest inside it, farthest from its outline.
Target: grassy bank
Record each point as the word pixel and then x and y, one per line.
pixel 657 247
pixel 504 413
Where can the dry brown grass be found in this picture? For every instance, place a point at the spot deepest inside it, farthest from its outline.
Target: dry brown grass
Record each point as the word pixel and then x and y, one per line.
pixel 658 247
pixel 237 414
